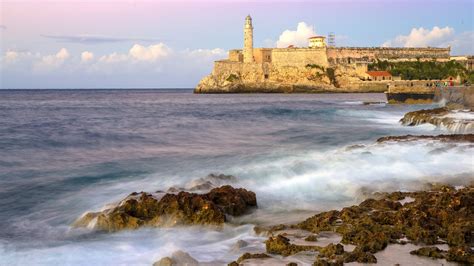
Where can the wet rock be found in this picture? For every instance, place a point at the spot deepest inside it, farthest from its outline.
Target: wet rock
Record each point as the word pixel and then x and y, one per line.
pixel 444 138
pixel 462 254
pixel 209 182
pixel 331 250
pixel 456 121
pixel 282 246
pixel 432 252
pixel 183 208
pixel 247 256
pixel 182 258
pixel 311 238
pixel 166 261
pixel 442 214
pixel 175 189
pixel 359 256
pixel 177 258
pixel 234 201
pixel 422 116
pixel 326 262
pixel 269 230
pixel 238 245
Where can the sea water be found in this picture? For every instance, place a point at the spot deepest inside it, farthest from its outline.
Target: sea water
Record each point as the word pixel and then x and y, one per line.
pixel 66 152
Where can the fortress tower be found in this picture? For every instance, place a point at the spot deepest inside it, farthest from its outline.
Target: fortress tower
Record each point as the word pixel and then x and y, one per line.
pixel 248 40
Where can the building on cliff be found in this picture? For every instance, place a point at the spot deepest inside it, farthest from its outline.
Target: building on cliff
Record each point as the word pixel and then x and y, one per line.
pixel 316 68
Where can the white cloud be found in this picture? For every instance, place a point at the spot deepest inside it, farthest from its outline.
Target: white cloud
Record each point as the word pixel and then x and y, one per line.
pixel 87 56
pixel 298 37
pixel 149 53
pixel 51 62
pixel 11 56
pixel 421 37
pixel 436 37
pixel 156 65
pixel 138 54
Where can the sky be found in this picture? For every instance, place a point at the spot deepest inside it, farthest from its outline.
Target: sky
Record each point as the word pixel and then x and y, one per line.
pixel 172 44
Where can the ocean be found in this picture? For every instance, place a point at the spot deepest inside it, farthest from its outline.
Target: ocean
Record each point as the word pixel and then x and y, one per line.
pixel 66 152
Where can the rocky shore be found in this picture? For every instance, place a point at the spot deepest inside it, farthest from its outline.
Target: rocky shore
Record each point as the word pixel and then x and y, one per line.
pixel 455 120
pixel 437 223
pixel 440 215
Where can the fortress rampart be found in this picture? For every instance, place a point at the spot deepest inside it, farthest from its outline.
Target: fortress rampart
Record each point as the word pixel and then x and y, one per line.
pixel 299 56
pixel 386 53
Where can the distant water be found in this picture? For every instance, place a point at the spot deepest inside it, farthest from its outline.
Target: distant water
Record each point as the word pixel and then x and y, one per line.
pixel 65 152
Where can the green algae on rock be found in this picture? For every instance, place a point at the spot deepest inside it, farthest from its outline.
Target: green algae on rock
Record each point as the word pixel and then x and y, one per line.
pixel 441 214
pixel 183 208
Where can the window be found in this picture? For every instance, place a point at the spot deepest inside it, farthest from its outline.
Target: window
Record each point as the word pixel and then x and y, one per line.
pixel 266 76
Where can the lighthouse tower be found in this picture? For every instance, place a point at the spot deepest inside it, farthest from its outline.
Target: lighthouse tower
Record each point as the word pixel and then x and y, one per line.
pixel 248 40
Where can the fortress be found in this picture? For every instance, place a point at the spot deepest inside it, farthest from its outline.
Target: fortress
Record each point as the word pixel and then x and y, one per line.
pixel 316 68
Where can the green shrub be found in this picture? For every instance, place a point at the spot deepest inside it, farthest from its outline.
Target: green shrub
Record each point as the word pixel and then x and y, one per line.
pixel 315 66
pixel 421 70
pixel 232 78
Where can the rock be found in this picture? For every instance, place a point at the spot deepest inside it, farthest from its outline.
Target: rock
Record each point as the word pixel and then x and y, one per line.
pixel 444 138
pixel 182 258
pixel 311 238
pixel 204 186
pixel 210 181
pixel 238 245
pixel 178 258
pixel 432 252
pixel 422 116
pixel 234 263
pixel 247 256
pixel 282 246
pixel 269 230
pixel 359 256
pixel 292 264
pixel 442 213
pixel 234 201
pixel 331 250
pixel 166 261
pixel 461 254
pixel 326 262
pixel 441 117
pixel 183 208
pixel 175 189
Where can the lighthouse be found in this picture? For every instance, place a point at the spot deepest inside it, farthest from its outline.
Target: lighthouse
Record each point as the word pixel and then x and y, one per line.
pixel 248 40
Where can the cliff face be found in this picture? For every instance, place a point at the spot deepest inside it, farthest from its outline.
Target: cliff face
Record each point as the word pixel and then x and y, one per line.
pixel 232 77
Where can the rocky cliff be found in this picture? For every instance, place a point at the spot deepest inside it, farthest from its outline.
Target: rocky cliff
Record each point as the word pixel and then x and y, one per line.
pixel 233 77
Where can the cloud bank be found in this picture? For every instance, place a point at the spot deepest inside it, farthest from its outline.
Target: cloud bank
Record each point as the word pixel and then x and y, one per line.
pixel 435 37
pixel 156 65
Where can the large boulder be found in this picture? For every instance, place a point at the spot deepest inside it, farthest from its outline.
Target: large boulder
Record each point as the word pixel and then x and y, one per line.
pixel 183 208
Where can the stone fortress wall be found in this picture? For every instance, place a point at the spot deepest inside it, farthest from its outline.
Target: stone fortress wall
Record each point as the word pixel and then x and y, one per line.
pixel 387 53
pixel 332 55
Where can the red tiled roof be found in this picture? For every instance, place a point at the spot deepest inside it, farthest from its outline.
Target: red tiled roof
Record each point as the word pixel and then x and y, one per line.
pixel 291 46
pixel 317 37
pixel 379 73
